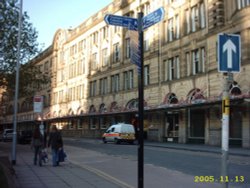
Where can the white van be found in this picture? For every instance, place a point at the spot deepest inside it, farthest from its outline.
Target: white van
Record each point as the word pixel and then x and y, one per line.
pixel 118 133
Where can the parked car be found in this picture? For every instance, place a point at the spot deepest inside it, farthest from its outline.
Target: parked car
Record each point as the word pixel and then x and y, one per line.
pixel 118 133
pixel 24 136
pixel 7 134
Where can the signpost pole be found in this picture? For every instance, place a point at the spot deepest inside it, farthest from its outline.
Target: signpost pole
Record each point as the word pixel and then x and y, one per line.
pixel 141 105
pixel 229 56
pixel 225 131
pixel 139 24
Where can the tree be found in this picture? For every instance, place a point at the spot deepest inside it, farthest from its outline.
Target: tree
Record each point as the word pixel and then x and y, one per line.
pixel 29 47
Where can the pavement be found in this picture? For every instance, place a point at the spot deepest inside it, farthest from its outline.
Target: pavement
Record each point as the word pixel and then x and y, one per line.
pixel 74 173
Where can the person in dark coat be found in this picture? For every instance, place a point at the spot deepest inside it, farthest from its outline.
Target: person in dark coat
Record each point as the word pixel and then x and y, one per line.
pixel 55 142
pixel 37 144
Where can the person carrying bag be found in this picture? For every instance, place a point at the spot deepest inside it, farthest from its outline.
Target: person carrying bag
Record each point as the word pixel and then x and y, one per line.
pixel 56 144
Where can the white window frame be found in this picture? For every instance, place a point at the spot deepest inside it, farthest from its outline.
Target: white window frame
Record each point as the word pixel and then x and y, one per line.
pixel 194 17
pixel 146 75
pixel 165 62
pixel 195 61
pixel 188 64
pixel 173 68
pixel 202 15
pixel 188 29
pixel 93 88
pixel 127 50
pixel 115 83
pixel 116 56
pixel 177 26
pixel 94 62
pixel 105 57
pixel 170 30
pixel 203 59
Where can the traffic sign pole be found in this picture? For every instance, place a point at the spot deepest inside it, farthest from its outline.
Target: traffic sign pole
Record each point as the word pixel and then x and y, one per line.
pixel 229 57
pixel 141 105
pixel 225 130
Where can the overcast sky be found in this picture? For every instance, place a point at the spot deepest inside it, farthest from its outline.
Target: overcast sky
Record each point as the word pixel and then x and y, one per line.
pixel 47 16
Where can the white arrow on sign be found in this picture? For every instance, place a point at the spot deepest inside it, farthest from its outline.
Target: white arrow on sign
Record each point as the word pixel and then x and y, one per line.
pixel 230 48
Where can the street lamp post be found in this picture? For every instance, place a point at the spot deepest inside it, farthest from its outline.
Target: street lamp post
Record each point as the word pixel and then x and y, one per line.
pixel 13 156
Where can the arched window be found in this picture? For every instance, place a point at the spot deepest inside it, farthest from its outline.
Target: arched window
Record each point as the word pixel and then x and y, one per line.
pixel 195 95
pixel 102 108
pixel 132 104
pixel 114 106
pixel 70 112
pixel 92 109
pixel 171 98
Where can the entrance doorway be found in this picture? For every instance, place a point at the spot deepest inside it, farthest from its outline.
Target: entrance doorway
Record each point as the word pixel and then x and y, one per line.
pixel 172 127
pixel 197 126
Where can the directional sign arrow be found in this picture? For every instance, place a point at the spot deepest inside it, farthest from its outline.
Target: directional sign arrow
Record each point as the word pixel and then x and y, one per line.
pixel 123 21
pixel 229 52
pixel 153 18
pixel 229 47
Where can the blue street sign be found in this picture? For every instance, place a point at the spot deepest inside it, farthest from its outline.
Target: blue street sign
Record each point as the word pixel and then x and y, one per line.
pixel 229 53
pixel 153 18
pixel 123 21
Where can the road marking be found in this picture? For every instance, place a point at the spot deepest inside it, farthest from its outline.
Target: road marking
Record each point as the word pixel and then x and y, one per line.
pixel 103 174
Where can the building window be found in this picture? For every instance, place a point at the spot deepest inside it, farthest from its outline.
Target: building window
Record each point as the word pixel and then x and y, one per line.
pixel 78 90
pixel 187 21
pixel 95 38
pixel 105 32
pixel 242 3
pixel 146 8
pixel 82 91
pixel 72 70
pixel 117 29
pixel 93 122
pixel 116 56
pixel 83 65
pixel 127 48
pixel 198 61
pixel 170 30
pixel 115 83
pixel 194 18
pixel 146 75
pixel 80 46
pixel 103 86
pixel 198 17
pixel 202 15
pixel 188 64
pixel 203 58
pixel 177 27
pixel 73 50
pixel 195 62
pixel 173 28
pixel 94 62
pixel 172 68
pixel 105 57
pixel 128 77
pixel 92 88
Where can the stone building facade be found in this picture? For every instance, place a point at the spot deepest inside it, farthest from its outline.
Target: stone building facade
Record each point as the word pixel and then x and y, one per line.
pixel 94 83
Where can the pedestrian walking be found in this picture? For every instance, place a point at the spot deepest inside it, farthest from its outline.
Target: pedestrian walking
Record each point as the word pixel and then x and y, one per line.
pixel 56 143
pixel 36 144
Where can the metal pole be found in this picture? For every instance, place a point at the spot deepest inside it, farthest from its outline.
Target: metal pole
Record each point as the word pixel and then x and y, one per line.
pixel 13 156
pixel 141 105
pixel 225 132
